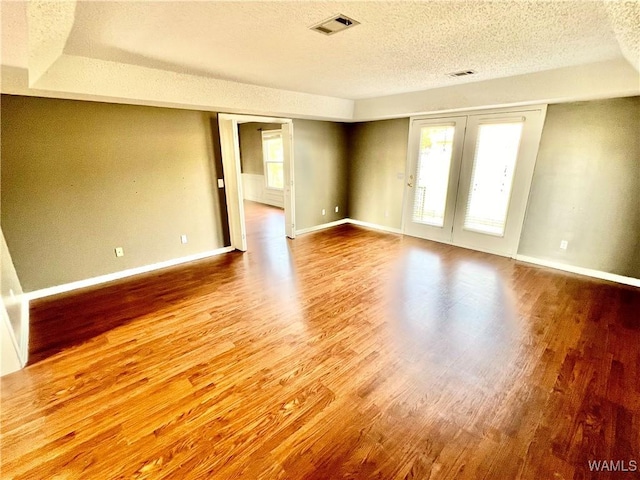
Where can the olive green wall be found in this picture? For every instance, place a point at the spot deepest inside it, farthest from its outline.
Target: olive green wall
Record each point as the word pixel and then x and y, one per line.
pixel 378 156
pixel 81 178
pixel 586 187
pixel 321 172
pixel 250 135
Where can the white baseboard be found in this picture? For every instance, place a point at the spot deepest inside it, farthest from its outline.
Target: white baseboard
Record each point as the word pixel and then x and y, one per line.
pixel 375 226
pixel 322 226
pixel 612 277
pixel 89 282
pixel 255 190
pixel 265 201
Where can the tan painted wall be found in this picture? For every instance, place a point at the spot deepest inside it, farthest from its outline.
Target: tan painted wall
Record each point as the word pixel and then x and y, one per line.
pixel 321 171
pixel 586 187
pixel 80 178
pixel 378 155
pixel 250 135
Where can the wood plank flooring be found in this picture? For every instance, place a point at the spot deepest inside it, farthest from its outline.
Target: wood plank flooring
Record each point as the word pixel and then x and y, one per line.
pixel 345 353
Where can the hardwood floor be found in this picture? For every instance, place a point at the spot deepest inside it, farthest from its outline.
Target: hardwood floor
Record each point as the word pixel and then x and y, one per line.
pixel 346 353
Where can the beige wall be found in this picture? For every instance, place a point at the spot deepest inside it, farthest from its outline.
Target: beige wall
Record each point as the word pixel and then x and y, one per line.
pixel 586 187
pixel 250 134
pixel 321 171
pixel 378 156
pixel 81 178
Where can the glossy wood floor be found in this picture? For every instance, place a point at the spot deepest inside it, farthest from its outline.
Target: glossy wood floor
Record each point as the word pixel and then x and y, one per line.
pixel 346 353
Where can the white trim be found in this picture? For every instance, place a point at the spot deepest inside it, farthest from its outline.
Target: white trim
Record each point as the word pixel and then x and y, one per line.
pixel 89 282
pixel 289 193
pixel 230 147
pixel 506 245
pixel 265 158
pixel 463 245
pixel 479 111
pixel 12 338
pixel 24 322
pixel 322 226
pixel 375 226
pixel 612 277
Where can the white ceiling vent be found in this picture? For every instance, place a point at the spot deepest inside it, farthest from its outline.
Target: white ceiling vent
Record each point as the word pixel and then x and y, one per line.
pixel 335 24
pixel 462 73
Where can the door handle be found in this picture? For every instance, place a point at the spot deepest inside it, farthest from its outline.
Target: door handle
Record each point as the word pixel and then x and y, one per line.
pixel 410 183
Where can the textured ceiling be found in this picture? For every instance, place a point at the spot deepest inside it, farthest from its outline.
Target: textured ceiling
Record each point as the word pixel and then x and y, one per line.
pixel 399 46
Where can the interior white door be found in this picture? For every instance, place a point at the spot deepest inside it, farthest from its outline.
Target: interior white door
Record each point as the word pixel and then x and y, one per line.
pixel 500 153
pixel 229 144
pixel 289 188
pixel 469 177
pixel 435 152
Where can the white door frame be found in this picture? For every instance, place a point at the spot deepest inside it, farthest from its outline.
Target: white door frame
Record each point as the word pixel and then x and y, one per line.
pixel 230 147
pixel 540 109
pixel 438 234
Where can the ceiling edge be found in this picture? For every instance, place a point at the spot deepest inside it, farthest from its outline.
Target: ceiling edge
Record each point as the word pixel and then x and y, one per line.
pixel 614 78
pixel 49 25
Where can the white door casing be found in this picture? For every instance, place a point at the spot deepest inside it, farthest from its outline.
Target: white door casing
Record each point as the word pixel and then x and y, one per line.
pixel 507 243
pixel 289 187
pixel 229 144
pixel 467 125
pixel 230 147
pixel 412 226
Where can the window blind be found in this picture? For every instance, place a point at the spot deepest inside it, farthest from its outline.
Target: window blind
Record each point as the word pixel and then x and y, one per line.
pixel 432 174
pixel 494 165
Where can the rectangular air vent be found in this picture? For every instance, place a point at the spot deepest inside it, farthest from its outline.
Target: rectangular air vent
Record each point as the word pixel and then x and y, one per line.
pixel 335 24
pixel 462 73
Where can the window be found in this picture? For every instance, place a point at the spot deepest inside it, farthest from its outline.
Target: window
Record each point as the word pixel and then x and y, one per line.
pixel 492 177
pixel 434 163
pixel 273 155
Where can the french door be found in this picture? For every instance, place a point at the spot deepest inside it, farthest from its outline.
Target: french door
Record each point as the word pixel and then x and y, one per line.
pixel 469 177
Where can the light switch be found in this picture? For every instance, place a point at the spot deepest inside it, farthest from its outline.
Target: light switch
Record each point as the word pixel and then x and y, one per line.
pixel 221 183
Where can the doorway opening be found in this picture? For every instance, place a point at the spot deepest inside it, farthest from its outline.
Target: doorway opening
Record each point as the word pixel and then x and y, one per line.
pixel 261 172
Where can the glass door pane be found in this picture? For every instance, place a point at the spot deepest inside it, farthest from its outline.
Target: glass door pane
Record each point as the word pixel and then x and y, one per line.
pixel 497 167
pixel 432 174
pixel 496 152
pixel 433 167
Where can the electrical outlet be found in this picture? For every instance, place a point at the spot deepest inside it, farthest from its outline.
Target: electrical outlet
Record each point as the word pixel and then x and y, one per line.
pixel 119 252
pixel 337 209
pixel 220 183
pixel 183 238
pixel 564 244
pixel 324 212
